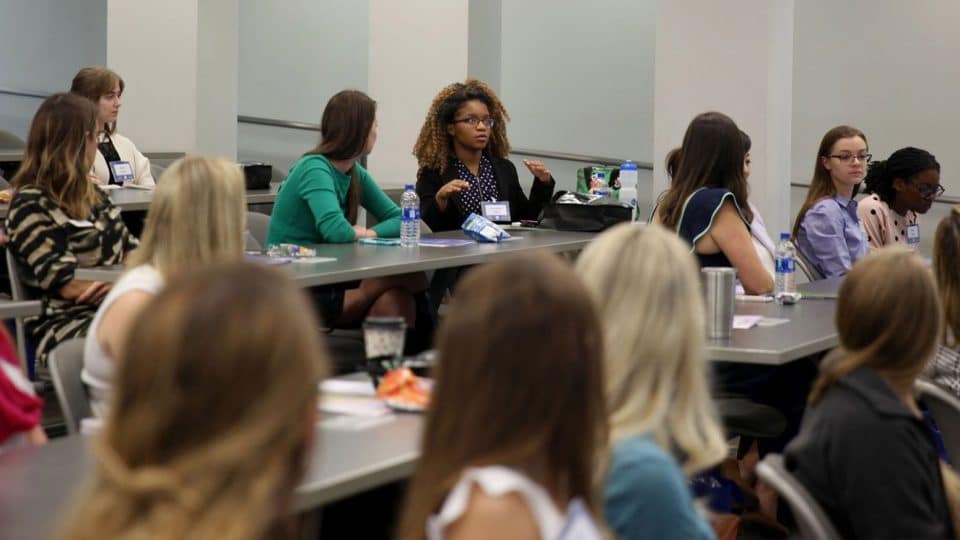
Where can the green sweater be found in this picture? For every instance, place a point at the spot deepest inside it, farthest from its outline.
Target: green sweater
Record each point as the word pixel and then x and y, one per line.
pixel 311 206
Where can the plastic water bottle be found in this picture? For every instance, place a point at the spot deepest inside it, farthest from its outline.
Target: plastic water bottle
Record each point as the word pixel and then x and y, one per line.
pixel 785 272
pixel 410 217
pixel 628 185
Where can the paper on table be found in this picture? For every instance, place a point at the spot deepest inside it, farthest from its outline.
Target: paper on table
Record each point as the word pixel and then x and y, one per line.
pixel 771 321
pixel 743 322
pixel 302 260
pixel 355 423
pixel 445 242
pixel 138 186
pixel 353 405
pixel 108 187
pixel 345 387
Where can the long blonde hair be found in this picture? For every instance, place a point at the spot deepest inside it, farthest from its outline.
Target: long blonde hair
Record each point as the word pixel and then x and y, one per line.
pixel 197 217
pixel 647 288
pixel 946 261
pixel 211 417
pixel 56 160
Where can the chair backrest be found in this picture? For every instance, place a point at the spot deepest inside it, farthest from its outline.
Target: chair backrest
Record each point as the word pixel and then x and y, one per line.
pixel 945 409
pixel 258 224
pixel 809 271
pixel 18 292
pixel 810 517
pixel 9 141
pixel 66 363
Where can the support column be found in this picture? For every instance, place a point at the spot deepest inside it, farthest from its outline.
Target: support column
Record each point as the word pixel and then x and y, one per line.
pixel 411 58
pixel 734 57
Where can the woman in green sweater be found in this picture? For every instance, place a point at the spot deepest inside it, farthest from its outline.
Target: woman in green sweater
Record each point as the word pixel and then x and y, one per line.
pixel 319 202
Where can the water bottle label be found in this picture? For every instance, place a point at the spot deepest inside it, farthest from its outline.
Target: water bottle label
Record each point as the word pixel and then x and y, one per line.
pixel 411 214
pixel 786 265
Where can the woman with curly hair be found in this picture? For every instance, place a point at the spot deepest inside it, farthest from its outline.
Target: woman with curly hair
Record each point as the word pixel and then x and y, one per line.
pixel 462 154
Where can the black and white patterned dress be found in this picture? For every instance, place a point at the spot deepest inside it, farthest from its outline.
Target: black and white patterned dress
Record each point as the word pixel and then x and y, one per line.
pixel 49 246
pixel 483 185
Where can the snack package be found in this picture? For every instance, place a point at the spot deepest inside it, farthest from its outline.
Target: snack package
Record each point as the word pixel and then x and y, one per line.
pixel 292 251
pixel 482 229
pixel 400 389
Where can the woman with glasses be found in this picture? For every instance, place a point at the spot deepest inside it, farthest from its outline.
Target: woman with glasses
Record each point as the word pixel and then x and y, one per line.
pixel 902 187
pixel 827 230
pixel 462 154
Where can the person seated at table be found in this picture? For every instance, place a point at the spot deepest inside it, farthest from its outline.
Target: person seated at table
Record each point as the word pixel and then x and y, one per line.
pixel 462 154
pixel 663 423
pixel 196 219
pixel 59 221
pixel 827 230
pixel 318 203
pixel 758 229
pixel 104 88
pixel 213 413
pixel 707 204
pixel 900 188
pixel 865 453
pixel 20 408
pixel 516 417
pixel 944 368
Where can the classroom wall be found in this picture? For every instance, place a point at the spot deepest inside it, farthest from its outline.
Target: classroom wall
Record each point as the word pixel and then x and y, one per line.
pixel 43 43
pixel 293 56
pixel 577 76
pixel 886 66
pixel 412 56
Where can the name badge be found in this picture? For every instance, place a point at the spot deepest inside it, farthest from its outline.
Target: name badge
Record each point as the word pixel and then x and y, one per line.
pixel 496 211
pixel 122 171
pixel 913 234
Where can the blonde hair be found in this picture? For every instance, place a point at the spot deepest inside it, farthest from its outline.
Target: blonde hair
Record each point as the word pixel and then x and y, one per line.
pixel 897 343
pixel 211 416
pixel 946 260
pixel 647 288
pixel 197 217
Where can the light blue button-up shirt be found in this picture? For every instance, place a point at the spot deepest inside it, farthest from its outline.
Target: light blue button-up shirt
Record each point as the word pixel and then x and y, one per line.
pixel 831 236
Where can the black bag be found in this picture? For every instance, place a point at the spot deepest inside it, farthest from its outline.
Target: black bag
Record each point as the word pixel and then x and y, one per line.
pixel 257 175
pixel 583 212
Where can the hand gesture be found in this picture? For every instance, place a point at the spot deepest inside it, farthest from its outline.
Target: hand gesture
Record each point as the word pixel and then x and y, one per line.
pixel 538 169
pixel 448 190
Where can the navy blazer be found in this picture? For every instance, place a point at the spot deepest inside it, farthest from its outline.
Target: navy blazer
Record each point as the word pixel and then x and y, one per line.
pixel 429 182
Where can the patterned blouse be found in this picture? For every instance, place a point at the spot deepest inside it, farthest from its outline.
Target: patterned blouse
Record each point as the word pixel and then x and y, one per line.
pixel 483 186
pixel 49 246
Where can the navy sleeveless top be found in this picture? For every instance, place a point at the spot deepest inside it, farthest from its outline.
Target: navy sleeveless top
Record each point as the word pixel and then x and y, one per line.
pixel 697 218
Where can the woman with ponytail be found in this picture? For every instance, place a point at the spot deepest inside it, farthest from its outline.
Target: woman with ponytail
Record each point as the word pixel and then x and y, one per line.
pixel 864 451
pixel 212 415
pixel 900 188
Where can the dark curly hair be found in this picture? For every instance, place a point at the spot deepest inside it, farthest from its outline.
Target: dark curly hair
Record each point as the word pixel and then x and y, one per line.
pixel 903 164
pixel 434 145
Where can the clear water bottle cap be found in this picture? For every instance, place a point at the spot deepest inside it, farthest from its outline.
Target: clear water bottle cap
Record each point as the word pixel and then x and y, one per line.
pixel 628 166
pixel 784 236
pixel 408 187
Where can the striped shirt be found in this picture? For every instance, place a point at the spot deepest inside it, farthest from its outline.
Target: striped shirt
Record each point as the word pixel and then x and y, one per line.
pixel 49 246
pixel 944 369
